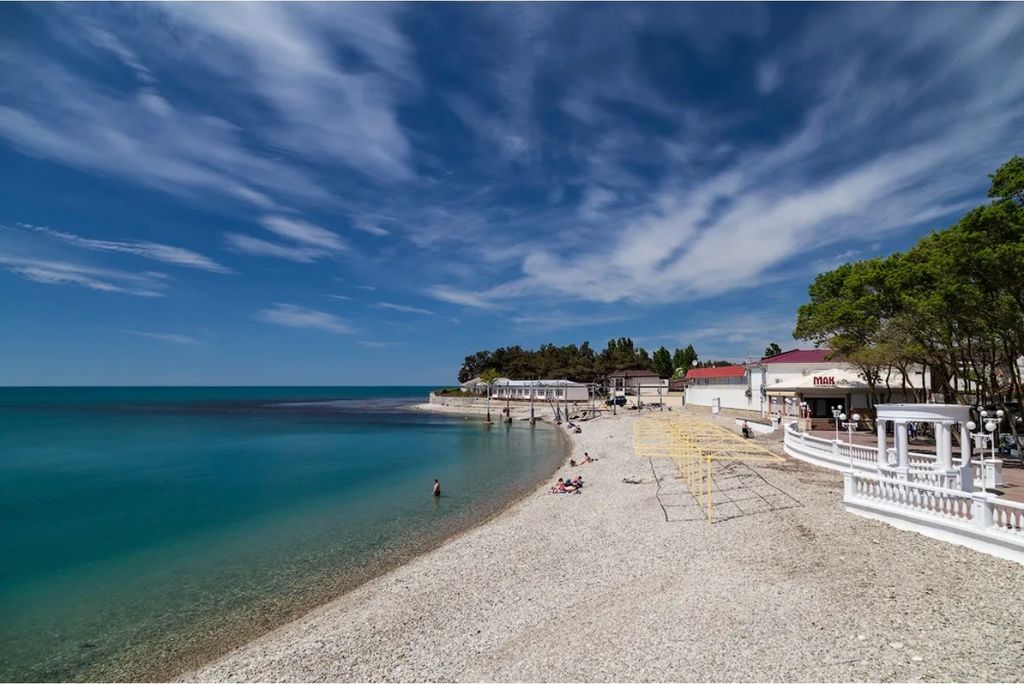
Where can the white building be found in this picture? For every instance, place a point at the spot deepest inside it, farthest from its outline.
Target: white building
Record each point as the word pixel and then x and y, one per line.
pixel 539 390
pixel 722 387
pixel 643 383
pixel 795 383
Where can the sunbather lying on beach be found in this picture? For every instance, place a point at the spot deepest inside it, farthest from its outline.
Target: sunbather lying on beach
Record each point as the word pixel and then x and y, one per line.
pixel 564 487
pixel 586 459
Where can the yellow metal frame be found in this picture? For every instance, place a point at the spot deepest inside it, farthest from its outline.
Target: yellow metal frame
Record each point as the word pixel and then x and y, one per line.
pixel 695 445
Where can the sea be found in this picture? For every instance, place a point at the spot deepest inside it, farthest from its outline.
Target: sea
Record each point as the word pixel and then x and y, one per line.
pixel 145 530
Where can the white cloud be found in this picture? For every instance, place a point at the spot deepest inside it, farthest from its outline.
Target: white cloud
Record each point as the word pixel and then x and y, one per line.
pixel 404 308
pixel 280 59
pixel 454 295
pixel 293 316
pixel 59 272
pixel 258 247
pixel 286 55
pixel 370 344
pixel 173 338
pixel 768 77
pixel 371 227
pixel 177 256
pixel 303 232
pixel 337 296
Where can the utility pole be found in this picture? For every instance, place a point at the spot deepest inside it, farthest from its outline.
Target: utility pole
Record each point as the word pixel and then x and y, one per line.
pixel 565 397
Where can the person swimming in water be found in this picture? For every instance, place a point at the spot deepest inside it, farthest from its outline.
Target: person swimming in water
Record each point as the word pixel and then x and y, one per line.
pixel 437 488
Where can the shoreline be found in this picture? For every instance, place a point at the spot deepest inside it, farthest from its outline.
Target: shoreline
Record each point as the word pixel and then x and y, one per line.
pixel 380 566
pixel 627 582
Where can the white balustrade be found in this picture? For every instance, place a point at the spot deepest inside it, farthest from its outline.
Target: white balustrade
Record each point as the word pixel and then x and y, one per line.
pixel 980 521
pixel 922 497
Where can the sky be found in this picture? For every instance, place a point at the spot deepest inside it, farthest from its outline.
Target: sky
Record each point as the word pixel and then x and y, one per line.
pixel 366 193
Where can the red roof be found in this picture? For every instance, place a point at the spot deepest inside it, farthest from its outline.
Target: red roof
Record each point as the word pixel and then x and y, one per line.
pixel 719 372
pixel 799 356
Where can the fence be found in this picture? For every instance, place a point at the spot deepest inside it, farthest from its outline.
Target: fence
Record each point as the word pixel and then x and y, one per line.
pixel 840 455
pixel 975 520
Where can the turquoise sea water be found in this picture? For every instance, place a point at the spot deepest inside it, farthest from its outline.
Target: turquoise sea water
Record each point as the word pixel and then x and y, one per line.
pixel 143 530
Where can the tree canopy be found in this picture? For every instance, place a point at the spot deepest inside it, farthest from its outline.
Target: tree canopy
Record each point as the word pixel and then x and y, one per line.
pixel 580 363
pixel 772 349
pixel 953 302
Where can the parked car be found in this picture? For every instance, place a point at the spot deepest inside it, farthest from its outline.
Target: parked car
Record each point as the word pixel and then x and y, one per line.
pixel 615 401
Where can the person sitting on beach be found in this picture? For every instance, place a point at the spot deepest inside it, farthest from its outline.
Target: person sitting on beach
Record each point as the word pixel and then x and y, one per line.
pixel 572 463
pixel 558 487
pixel 577 482
pixel 587 458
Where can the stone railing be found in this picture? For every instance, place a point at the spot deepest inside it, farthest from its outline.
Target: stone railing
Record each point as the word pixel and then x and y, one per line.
pixel 976 520
pixel 841 456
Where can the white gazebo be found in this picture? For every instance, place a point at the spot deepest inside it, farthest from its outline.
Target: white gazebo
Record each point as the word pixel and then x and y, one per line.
pixel 945 418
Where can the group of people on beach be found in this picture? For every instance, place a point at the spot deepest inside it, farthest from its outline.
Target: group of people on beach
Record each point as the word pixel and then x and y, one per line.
pixel 574 485
pixel 567 486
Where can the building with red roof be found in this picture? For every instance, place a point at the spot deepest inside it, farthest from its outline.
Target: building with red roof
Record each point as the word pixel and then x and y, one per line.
pixel 805 383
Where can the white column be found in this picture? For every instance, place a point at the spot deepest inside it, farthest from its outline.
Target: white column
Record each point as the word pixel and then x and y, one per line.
pixel 902 445
pixel 883 458
pixel 943 446
pixel 965 445
pixel 966 468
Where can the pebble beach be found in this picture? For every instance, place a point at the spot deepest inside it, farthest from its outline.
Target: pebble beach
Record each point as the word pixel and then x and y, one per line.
pixel 626 581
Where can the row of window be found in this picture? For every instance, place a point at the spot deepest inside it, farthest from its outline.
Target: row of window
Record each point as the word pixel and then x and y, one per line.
pixel 719 381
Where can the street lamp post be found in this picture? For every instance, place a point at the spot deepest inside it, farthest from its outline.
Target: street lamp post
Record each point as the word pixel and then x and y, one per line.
pixel 850 425
pixel 990 424
pixel 837 412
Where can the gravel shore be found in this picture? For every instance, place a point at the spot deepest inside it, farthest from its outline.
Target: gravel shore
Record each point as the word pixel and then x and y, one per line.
pixel 627 582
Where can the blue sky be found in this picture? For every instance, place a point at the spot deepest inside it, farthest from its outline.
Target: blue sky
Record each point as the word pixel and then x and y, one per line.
pixel 366 193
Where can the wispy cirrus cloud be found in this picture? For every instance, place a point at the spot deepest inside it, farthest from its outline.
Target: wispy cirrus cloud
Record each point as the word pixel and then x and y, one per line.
pixel 168 254
pixel 404 308
pixel 294 316
pixel 59 272
pixel 304 232
pixel 306 242
pixel 173 338
pixel 282 60
pixel 371 344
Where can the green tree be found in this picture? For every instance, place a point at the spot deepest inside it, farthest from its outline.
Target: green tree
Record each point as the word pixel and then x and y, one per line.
pixel 662 362
pixel 772 349
pixel 1008 181
pixel 683 360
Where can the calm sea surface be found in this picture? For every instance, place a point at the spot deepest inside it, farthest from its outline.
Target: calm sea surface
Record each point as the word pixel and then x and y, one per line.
pixel 144 529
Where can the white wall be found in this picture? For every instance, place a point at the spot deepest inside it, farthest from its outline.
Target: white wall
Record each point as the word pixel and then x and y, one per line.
pixel 731 396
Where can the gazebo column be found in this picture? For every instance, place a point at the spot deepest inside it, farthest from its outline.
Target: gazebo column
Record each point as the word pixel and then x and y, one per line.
pixel 883 455
pixel 944 453
pixel 966 467
pixel 943 446
pixel 902 449
pixel 965 445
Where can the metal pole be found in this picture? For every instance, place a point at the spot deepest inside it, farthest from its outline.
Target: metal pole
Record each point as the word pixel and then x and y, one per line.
pixel 710 482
